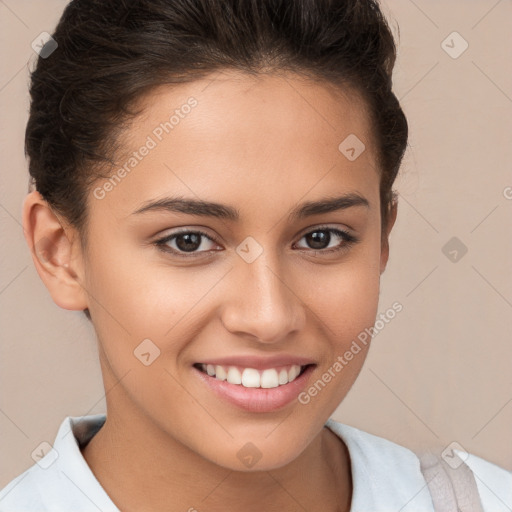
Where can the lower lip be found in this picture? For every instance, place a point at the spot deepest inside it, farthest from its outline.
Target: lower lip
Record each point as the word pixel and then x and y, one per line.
pixel 257 399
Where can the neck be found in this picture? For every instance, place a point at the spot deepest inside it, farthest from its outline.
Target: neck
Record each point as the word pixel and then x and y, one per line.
pixel 142 469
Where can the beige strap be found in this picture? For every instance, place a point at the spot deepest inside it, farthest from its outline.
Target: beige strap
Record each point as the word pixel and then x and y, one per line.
pixel 452 487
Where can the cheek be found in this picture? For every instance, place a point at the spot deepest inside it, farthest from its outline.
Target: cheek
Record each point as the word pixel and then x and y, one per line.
pixel 129 301
pixel 136 296
pixel 345 296
pixel 132 285
pixel 347 309
pixel 357 296
pixel 344 300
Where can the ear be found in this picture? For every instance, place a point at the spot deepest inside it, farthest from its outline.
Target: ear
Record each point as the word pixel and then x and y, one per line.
pixel 55 252
pixel 384 254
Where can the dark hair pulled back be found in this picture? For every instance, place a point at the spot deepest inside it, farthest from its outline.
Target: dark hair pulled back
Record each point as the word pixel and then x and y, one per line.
pixel 112 52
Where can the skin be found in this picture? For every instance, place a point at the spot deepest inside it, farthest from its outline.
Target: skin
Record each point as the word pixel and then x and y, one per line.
pixel 262 145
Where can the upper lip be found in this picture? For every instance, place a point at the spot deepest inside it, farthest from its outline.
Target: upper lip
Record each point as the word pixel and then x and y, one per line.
pixel 259 362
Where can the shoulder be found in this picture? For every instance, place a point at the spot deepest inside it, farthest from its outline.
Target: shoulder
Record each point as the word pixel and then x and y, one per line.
pixel 494 482
pixel 61 480
pixel 386 475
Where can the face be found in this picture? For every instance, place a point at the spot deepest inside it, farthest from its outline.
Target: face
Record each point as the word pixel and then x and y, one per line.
pixel 264 282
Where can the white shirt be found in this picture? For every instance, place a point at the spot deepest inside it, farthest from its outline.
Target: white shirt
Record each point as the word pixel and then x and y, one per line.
pixel 386 476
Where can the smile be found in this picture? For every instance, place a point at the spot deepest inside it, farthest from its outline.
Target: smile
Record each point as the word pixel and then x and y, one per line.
pixel 251 377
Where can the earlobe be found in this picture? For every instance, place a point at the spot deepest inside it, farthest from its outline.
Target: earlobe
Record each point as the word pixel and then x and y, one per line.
pixel 384 254
pixel 54 249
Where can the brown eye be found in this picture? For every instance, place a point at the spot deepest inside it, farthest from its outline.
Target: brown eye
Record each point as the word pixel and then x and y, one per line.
pixel 186 243
pixel 320 239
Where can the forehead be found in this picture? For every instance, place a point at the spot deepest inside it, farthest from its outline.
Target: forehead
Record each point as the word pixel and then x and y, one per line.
pixel 245 139
pixel 238 106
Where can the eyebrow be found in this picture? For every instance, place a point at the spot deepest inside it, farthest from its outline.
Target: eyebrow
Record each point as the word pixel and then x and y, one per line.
pixel 222 211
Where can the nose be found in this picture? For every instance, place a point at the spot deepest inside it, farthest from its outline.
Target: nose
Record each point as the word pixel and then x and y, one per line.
pixel 264 303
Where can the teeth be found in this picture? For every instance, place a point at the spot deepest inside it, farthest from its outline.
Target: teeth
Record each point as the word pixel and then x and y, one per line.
pixel 269 379
pixel 252 378
pixel 220 373
pixel 293 372
pixel 283 377
pixel 234 376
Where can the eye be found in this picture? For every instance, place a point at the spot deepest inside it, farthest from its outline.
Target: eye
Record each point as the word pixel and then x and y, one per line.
pixel 185 241
pixel 320 239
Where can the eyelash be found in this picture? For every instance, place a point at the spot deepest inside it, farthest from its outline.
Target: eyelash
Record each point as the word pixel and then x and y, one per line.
pixel 349 240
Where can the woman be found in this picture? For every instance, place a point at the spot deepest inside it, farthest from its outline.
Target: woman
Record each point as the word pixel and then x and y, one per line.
pixel 213 188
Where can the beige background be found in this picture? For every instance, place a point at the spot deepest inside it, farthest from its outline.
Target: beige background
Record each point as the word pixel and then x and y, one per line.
pixel 441 370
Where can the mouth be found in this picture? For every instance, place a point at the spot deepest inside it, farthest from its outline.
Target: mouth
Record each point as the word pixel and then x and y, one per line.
pixel 253 378
pixel 256 391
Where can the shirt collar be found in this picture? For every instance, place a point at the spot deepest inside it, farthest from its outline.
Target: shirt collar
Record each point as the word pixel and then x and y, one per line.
pixel 385 475
pixel 74 433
